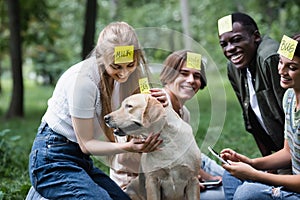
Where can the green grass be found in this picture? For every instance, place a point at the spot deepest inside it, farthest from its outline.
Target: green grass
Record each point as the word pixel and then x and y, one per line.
pixel 17 135
pixel 224 128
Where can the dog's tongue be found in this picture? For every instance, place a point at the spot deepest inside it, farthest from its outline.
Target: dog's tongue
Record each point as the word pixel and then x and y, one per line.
pixel 119 132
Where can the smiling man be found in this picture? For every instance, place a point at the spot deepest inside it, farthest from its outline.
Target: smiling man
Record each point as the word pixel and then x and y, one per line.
pixel 182 76
pixel 253 74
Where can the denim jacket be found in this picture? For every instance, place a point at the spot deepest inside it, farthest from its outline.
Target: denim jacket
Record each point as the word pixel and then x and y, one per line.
pixel 269 93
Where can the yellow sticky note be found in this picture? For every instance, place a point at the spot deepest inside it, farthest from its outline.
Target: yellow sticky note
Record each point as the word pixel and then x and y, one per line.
pixel 144 86
pixel 193 60
pixel 225 24
pixel 287 47
pixel 124 54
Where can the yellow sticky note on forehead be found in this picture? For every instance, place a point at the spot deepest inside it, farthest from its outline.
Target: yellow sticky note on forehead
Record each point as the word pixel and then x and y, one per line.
pixel 225 24
pixel 287 47
pixel 193 60
pixel 124 54
pixel 144 86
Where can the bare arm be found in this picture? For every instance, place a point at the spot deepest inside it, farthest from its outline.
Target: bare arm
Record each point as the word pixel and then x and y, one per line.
pixel 277 160
pixel 246 172
pixel 206 176
pixel 84 130
pixel 246 169
pixel 290 182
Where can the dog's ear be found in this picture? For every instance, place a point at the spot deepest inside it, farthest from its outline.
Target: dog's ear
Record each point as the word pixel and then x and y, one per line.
pixel 153 111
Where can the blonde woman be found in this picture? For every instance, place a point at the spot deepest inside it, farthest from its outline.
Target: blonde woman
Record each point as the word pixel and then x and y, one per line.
pixel 73 128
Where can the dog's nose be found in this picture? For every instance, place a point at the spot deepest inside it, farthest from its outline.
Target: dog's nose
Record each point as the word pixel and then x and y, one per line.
pixel 106 118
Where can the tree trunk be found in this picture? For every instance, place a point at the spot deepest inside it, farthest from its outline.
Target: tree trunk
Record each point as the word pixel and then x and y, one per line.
pixel 113 9
pixel 0 77
pixel 90 26
pixel 16 108
pixel 185 23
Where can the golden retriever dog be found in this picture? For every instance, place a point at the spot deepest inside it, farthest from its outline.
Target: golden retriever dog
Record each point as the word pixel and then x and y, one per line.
pixel 169 173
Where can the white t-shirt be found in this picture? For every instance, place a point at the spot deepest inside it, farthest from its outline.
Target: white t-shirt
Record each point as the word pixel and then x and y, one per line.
pixel 253 100
pixel 76 94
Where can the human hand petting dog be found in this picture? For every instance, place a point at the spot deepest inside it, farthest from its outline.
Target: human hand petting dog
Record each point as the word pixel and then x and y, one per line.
pixel 160 95
pixel 151 143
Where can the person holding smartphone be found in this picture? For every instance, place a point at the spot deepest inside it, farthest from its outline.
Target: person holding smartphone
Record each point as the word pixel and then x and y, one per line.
pixel 247 178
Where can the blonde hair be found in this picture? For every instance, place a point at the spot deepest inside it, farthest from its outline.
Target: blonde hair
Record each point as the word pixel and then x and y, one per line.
pixel 117 34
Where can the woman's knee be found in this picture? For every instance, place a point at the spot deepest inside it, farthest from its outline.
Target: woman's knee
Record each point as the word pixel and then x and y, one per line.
pixel 249 191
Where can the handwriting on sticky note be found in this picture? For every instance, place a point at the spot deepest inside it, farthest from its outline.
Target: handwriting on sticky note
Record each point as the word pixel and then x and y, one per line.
pixel 225 24
pixel 124 54
pixel 193 60
pixel 144 85
pixel 287 47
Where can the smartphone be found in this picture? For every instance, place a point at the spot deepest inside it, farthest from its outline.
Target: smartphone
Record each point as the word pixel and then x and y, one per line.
pixel 217 155
pixel 211 182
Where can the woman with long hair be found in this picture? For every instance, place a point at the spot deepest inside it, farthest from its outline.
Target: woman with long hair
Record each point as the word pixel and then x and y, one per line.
pixel 73 128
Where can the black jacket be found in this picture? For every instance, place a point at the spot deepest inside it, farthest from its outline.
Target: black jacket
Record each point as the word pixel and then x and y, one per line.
pixel 269 93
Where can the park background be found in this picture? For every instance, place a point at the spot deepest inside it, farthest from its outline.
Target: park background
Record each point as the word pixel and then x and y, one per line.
pixel 40 39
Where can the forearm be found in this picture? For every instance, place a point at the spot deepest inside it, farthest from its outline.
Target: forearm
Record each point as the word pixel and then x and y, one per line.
pixel 290 182
pixel 277 160
pixel 204 175
pixel 84 129
pixel 271 162
pixel 99 148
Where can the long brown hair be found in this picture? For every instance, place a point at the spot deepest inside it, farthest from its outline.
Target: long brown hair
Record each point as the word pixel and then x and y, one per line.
pixel 117 34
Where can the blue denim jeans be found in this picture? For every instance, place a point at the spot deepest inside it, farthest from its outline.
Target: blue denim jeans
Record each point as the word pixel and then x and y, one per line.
pixel 210 166
pixel 235 188
pixel 59 170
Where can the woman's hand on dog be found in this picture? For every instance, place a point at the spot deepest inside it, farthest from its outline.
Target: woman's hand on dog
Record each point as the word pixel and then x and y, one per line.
pixel 160 95
pixel 151 143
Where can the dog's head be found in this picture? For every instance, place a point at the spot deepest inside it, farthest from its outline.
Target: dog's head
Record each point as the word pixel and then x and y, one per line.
pixel 139 114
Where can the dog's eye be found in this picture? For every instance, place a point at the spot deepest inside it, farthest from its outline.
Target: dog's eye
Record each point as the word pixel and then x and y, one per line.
pixel 128 106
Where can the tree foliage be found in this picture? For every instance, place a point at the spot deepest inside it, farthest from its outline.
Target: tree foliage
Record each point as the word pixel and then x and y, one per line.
pixel 52 31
